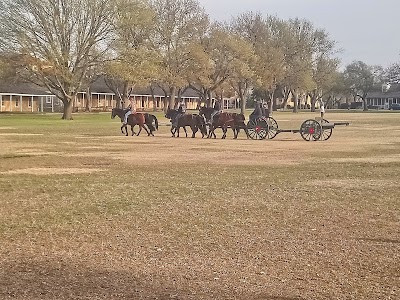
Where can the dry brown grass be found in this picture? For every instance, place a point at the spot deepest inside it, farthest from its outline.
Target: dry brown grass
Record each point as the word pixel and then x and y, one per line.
pixel 199 219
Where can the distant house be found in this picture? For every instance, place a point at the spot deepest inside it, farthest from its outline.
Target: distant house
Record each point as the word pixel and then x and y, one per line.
pixel 103 98
pixel 27 97
pixel 383 99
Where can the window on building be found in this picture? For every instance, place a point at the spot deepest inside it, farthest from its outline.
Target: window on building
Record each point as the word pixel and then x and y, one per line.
pixel 16 102
pixel 48 99
pixel 30 102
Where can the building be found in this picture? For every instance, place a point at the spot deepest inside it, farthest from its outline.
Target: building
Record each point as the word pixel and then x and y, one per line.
pixel 383 99
pixel 27 97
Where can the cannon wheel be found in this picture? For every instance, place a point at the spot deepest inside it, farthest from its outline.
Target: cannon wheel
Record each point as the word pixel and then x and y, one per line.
pixel 257 129
pixel 311 130
pixel 326 132
pixel 272 128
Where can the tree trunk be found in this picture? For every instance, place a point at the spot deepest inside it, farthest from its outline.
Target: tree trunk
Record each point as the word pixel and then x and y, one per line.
pixel 153 96
pixel 296 102
pixel 172 97
pixel 210 104
pixel 271 100
pixel 88 104
pixel 313 100
pixel 68 107
pixel 274 100
pixel 365 106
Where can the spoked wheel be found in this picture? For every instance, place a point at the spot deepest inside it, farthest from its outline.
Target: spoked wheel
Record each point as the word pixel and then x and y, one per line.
pixel 311 130
pixel 272 128
pixel 257 129
pixel 326 132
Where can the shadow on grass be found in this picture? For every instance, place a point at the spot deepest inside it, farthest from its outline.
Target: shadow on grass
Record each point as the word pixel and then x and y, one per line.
pixel 57 280
pixel 33 279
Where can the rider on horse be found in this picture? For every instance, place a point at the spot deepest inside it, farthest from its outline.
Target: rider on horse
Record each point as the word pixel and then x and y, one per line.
pixel 217 111
pixel 131 109
pixel 181 112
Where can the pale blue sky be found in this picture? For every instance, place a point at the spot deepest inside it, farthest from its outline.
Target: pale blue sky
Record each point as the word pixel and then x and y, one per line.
pixel 366 30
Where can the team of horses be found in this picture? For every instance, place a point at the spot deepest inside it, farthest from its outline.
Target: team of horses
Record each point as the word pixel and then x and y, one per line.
pixel 196 122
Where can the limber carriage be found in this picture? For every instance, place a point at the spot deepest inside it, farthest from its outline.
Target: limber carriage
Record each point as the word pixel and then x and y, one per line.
pixel 310 130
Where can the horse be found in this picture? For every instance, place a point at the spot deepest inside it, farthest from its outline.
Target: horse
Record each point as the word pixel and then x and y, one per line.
pixel 194 121
pixel 224 120
pixel 136 119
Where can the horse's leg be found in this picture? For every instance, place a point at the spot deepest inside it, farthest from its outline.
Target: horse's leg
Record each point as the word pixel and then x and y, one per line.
pixel 210 131
pixel 184 128
pixel 194 130
pixel 173 131
pixel 148 129
pixel 145 129
pixel 235 131
pixel 224 130
pixel 213 132
pixel 140 130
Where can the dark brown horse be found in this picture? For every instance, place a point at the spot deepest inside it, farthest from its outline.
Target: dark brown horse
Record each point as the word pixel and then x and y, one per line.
pixel 224 120
pixel 195 122
pixel 133 120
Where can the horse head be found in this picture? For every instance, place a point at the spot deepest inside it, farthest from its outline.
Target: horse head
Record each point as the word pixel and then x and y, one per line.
pixel 206 112
pixel 113 113
pixel 171 113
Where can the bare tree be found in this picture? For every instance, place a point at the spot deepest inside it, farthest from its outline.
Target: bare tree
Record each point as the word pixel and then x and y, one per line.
pixel 178 24
pixel 359 77
pixel 57 41
pixel 219 57
pixel 133 61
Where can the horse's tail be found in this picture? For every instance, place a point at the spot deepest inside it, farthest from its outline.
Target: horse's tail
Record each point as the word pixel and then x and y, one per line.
pixel 149 121
pixel 155 121
pixel 201 120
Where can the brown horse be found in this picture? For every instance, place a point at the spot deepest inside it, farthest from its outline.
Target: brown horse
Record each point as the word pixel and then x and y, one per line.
pixel 195 122
pixel 133 120
pixel 224 120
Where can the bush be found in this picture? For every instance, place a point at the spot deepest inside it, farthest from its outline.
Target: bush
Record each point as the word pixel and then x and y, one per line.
pixel 356 105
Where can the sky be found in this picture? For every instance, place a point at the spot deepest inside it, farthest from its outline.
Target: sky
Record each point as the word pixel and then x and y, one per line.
pixel 365 30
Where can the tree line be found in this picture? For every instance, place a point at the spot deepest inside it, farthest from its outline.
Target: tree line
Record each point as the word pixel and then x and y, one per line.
pixel 65 45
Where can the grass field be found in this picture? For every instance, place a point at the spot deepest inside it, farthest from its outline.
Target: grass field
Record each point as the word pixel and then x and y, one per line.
pixel 87 213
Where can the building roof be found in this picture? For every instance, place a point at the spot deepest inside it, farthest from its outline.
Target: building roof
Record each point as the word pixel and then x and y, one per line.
pixel 23 88
pixel 99 86
pixel 383 94
pixel 392 92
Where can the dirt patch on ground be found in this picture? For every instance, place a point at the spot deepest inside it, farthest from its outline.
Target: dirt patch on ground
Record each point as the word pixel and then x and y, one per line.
pixel 7 128
pixel 350 183
pixel 373 159
pixel 20 134
pixel 52 171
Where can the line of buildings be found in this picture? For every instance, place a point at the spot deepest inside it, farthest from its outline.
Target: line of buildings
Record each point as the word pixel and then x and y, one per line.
pixel 24 97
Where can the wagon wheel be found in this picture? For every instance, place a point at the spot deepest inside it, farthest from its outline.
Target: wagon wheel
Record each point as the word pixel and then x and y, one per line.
pixel 257 129
pixel 326 132
pixel 272 128
pixel 310 130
